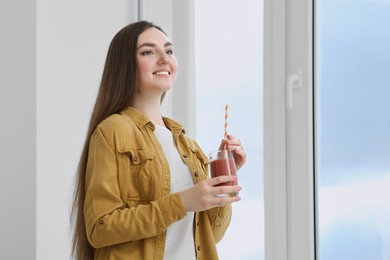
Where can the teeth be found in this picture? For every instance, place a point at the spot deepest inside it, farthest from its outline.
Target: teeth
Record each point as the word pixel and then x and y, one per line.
pixel 162 73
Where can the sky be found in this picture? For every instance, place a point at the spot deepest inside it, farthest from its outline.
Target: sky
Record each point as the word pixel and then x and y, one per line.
pixel 353 128
pixel 354 88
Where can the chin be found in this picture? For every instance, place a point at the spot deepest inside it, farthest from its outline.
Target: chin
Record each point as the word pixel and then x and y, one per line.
pixel 166 88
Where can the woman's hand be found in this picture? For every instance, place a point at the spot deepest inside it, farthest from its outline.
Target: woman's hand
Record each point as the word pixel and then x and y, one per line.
pixel 235 146
pixel 202 196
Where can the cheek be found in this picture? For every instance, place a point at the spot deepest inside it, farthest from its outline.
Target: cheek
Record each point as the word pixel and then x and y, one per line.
pixel 175 68
pixel 142 68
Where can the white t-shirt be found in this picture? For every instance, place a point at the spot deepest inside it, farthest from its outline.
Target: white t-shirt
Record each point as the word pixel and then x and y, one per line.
pixel 179 242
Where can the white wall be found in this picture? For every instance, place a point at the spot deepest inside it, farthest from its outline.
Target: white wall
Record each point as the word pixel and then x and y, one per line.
pixel 17 129
pixel 72 42
pixel 52 54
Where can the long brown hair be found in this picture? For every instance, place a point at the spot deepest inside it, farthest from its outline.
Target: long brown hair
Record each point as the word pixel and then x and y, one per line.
pixel 117 89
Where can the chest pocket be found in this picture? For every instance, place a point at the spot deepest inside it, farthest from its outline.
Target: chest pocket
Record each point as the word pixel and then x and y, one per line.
pixel 136 174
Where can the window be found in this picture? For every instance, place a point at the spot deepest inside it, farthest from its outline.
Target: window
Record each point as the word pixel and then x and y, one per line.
pixel 351 96
pixel 353 126
pixel 229 65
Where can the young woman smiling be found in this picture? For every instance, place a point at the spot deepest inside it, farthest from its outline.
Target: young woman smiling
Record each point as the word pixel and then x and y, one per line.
pixel 142 186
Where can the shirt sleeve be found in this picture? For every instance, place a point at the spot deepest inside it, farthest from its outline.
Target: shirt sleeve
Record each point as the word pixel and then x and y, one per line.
pixel 107 221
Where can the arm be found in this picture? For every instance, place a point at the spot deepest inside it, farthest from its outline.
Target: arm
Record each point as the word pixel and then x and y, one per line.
pixel 107 221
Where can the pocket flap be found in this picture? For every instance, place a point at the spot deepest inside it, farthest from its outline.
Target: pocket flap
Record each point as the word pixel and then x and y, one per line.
pixel 138 156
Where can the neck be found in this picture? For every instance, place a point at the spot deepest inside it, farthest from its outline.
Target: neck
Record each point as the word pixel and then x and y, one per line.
pixel 151 109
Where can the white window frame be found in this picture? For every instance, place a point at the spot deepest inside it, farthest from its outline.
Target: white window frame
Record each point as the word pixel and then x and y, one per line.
pixel 288 132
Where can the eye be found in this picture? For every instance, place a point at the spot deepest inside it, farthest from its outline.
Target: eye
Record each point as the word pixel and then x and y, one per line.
pixel 169 52
pixel 145 53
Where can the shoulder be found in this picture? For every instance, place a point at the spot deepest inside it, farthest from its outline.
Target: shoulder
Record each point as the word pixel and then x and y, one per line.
pixel 117 129
pixel 116 123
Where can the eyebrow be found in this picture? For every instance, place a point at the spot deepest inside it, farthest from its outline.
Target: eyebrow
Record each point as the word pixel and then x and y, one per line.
pixel 148 44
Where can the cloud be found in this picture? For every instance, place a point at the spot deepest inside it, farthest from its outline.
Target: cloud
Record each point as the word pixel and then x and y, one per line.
pixel 386 2
pixel 362 198
pixel 365 202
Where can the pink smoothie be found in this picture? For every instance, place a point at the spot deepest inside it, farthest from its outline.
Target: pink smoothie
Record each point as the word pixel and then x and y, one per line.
pixel 221 167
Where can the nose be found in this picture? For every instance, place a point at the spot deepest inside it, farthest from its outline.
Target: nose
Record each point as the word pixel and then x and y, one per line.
pixel 163 58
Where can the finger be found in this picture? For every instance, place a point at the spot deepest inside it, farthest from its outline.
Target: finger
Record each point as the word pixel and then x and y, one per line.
pixel 239 151
pixel 222 145
pixel 225 189
pixel 235 142
pixel 230 137
pixel 221 179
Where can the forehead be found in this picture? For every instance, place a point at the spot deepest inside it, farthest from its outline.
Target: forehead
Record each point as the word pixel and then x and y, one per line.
pixel 152 35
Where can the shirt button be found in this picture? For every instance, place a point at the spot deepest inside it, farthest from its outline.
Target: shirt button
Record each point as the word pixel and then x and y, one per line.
pixel 101 221
pixel 198 224
pixel 185 156
pixel 198 248
pixel 135 158
pixel 196 174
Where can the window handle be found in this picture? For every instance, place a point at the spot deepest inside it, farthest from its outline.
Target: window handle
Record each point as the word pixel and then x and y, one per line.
pixel 294 81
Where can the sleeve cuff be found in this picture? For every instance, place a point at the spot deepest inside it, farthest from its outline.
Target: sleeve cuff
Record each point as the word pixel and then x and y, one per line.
pixel 171 208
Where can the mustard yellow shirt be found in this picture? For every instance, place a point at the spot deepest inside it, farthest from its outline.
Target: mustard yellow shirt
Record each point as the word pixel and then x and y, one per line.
pixel 128 204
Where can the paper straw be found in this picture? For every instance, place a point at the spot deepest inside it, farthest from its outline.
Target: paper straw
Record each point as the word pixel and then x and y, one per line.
pixel 226 120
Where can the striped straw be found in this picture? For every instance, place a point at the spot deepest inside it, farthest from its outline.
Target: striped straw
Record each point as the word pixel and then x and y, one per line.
pixel 226 122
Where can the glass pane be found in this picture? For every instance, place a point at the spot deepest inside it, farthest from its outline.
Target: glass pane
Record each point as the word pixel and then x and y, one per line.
pixel 229 65
pixel 353 128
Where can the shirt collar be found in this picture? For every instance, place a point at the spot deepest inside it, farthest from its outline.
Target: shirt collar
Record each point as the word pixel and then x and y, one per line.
pixel 139 118
pixel 174 126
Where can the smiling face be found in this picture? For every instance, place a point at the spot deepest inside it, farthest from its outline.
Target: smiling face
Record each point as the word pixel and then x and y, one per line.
pixel 156 64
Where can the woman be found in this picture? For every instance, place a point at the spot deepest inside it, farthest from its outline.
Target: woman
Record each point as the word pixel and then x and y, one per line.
pixel 142 190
